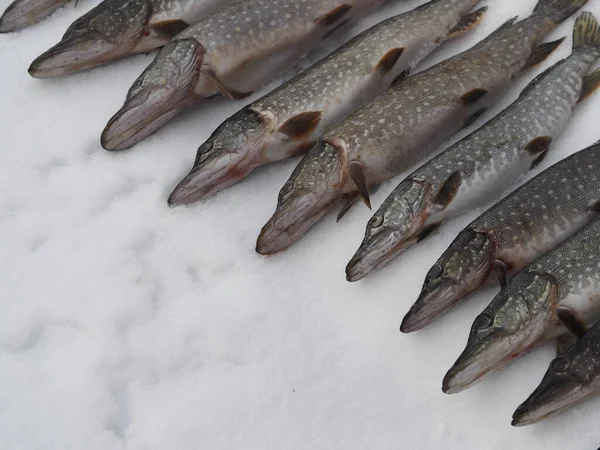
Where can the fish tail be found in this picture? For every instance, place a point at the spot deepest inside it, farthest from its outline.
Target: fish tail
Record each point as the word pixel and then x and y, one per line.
pixel 558 10
pixel 586 32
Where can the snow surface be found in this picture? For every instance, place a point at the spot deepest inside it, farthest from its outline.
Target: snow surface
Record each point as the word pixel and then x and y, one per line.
pixel 127 324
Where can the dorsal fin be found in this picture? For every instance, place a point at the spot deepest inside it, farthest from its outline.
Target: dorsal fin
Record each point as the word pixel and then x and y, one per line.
pixel 572 321
pixel 467 23
pixel 501 28
pixel 301 126
pixel 591 82
pixel 335 15
pixel 167 29
pixel 448 190
pixel 357 174
pixel 389 60
pixel 541 52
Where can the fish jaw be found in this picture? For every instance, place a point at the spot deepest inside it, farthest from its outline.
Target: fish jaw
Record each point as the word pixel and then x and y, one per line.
pixel 159 94
pixel 233 151
pixel 461 269
pixel 22 13
pixel 550 398
pixel 108 32
pixel 517 319
pixel 306 197
pixel 393 228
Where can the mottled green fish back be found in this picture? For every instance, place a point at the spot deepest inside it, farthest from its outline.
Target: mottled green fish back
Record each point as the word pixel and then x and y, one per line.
pixel 558 10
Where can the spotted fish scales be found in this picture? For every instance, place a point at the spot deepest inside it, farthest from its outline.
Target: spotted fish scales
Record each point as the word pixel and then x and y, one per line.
pixel 118 28
pixel 529 222
pixel 382 138
pixel 287 121
pixel 560 291
pixel 233 52
pixel 485 163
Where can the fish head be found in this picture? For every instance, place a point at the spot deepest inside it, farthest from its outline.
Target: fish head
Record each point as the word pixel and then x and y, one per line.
pixel 108 32
pixel 463 267
pixel 22 13
pixel 313 187
pixel 515 321
pixel 227 157
pixel 392 229
pixel 161 92
pixel 571 378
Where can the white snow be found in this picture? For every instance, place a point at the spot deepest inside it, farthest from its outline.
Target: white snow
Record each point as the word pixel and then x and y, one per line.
pixel 126 324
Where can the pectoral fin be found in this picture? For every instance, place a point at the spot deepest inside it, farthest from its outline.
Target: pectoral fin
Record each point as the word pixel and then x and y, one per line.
pixel 572 321
pixel 357 174
pixel 350 201
pixel 389 60
pixel 167 29
pixel 335 15
pixel 428 231
pixel 301 126
pixel 590 84
pixel 448 190
pixel 500 269
pixel 541 52
pixel 467 23
pixel 232 94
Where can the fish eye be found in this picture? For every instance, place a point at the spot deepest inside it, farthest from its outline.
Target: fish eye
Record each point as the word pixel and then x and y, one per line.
pixel 376 221
pixel 435 272
pixel 484 320
pixel 80 24
pixel 560 364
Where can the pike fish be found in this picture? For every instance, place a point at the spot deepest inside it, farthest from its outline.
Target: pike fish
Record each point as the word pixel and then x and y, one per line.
pixel 22 13
pixel 530 221
pixel 571 378
pixel 485 163
pixel 556 294
pixel 233 52
pixel 380 139
pixel 288 121
pixel 118 28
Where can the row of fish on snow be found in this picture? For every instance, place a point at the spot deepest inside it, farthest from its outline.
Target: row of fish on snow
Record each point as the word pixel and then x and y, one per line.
pixel 360 119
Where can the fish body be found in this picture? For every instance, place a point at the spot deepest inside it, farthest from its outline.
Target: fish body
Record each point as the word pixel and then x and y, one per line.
pixel 22 13
pixel 118 28
pixel 288 121
pixel 233 52
pixel 526 312
pixel 382 138
pixel 524 225
pixel 484 164
pixel 572 377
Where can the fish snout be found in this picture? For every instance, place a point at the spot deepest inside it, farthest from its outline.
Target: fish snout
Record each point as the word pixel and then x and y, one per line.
pixel 73 55
pixel 432 301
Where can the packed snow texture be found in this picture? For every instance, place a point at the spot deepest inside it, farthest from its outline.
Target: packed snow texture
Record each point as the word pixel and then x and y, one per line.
pixel 127 324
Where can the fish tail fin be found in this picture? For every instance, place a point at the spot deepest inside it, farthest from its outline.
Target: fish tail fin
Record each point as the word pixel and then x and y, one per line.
pixel 558 10
pixel 586 32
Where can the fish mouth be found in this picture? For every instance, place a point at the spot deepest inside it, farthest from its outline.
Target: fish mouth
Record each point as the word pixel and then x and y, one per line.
pixel 75 54
pixel 291 220
pixel 375 255
pixel 429 306
pixel 481 357
pixel 21 14
pixel 546 400
pixel 160 93
pixel 207 179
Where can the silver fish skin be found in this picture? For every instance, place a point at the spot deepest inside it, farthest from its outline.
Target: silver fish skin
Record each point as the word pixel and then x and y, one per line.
pixel 118 28
pixel 288 121
pixel 524 225
pixel 233 52
pixel 23 13
pixel 571 378
pixel 526 312
pixel 380 139
pixel 484 164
